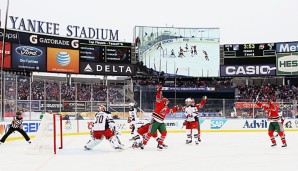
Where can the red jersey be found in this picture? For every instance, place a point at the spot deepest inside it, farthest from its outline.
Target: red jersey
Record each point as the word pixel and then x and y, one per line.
pixel 161 110
pixel 201 104
pixel 271 111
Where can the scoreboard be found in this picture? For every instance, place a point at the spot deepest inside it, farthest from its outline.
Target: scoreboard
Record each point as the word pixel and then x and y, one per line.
pixel 250 50
pixel 103 51
pixel 241 54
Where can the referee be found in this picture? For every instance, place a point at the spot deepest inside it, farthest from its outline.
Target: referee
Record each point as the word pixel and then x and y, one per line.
pixel 16 125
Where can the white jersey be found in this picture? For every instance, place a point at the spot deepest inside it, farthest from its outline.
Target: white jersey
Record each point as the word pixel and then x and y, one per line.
pixel 192 111
pixel 140 123
pixel 133 115
pixel 102 121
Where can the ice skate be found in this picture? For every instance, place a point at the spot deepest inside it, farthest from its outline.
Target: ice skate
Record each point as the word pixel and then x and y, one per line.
pixel 87 148
pixel 188 141
pixel 164 146
pixel 273 145
pixel 284 145
pixel 159 147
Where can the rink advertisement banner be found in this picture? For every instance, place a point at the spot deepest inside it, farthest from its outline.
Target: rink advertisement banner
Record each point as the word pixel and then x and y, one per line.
pixel 51 105
pixel 286 47
pixel 107 69
pixel 175 125
pixel 72 106
pixel 189 88
pixel 28 57
pixel 287 63
pixel 26 105
pixel 249 105
pixel 7 54
pixel 247 70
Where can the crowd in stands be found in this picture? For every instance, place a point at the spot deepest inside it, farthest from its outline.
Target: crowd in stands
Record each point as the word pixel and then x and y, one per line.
pixel 274 92
pixel 184 82
pixel 20 90
pixel 82 91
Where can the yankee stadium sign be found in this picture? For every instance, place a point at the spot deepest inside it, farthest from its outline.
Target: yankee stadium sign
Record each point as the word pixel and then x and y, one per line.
pixel 45 27
pixel 246 70
pixel 107 69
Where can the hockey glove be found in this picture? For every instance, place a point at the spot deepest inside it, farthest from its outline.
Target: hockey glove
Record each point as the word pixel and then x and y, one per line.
pixel 159 87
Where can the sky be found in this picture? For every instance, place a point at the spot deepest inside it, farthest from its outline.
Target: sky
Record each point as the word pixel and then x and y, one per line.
pixel 253 21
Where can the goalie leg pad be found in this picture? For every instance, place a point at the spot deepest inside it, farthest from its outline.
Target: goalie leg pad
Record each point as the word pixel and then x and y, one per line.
pixel 92 143
pixel 115 142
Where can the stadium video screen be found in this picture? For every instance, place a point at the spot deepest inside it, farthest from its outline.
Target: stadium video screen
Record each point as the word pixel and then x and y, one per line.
pixel 179 51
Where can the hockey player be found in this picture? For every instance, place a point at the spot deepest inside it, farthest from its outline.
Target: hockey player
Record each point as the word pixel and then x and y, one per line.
pixel 16 125
pixel 173 53
pixel 159 46
pixel 133 118
pixel 102 127
pixel 206 55
pixel 275 121
pixel 158 116
pixel 142 129
pixel 191 51
pixel 192 119
pixel 181 53
pixel 195 49
pixel 186 48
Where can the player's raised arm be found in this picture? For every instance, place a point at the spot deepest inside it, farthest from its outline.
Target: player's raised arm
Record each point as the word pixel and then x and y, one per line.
pixel 202 103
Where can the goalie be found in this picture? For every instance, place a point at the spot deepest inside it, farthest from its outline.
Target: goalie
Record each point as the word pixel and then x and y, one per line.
pixel 103 126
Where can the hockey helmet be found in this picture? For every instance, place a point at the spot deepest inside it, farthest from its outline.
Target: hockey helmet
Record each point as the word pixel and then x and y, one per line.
pixel 189 101
pixel 165 101
pixel 131 104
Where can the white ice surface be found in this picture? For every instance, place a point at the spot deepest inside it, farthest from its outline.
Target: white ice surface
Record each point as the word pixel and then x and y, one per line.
pixel 216 152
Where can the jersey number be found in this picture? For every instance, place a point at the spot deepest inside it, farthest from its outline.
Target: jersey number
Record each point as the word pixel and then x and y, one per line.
pixel 99 119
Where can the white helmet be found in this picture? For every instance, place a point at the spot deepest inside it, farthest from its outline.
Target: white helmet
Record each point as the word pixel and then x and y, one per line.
pixel 131 104
pixel 189 101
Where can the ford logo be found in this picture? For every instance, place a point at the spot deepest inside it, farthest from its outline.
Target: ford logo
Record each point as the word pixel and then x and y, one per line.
pixel 28 51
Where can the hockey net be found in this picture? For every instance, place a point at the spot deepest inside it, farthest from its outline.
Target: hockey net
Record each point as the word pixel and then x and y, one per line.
pixel 48 136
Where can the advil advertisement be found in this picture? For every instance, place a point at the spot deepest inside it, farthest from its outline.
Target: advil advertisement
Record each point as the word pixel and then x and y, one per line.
pixel 62 60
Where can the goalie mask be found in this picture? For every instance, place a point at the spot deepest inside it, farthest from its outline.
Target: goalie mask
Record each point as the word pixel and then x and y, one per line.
pixel 102 108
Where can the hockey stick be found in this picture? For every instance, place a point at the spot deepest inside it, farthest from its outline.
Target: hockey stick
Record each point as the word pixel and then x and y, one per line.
pixel 270 69
pixel 157 74
pixel 114 110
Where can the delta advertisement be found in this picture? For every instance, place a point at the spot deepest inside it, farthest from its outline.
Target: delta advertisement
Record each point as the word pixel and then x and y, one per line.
pixel 93 68
pixel 28 57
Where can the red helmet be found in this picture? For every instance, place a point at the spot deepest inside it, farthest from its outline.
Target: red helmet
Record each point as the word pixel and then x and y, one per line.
pixel 165 100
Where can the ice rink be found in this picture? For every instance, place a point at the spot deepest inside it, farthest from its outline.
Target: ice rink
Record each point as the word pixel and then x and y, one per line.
pixel 217 151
